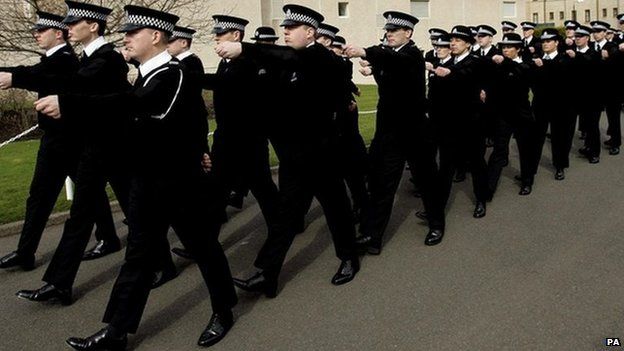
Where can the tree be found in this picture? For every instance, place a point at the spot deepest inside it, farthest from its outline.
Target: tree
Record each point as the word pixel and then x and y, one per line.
pixel 19 16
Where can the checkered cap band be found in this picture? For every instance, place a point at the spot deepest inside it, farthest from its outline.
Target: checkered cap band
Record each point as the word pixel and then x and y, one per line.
pixel 83 13
pixel 323 31
pixel 182 35
pixel 151 22
pixel 399 22
pixel 46 22
pixel 229 26
pixel 300 18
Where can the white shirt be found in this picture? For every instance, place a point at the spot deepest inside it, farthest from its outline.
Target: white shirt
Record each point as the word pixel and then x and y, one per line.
pixel 55 49
pixel 94 45
pixel 154 63
pixel 184 55
pixel 601 43
pixel 447 59
pixel 550 56
pixel 399 48
pixel 583 50
pixel 528 39
pixel 484 51
pixel 517 60
pixel 459 58
pixel 476 47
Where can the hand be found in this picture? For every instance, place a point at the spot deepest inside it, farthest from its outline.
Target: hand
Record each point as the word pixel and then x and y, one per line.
pixel 229 50
pixel 498 59
pixel 483 96
pixel 6 80
pixel 355 51
pixel 605 54
pixel 206 163
pixel 569 41
pixel 538 62
pixel 442 71
pixel 429 66
pixel 571 53
pixel 49 106
pixel 352 106
pixel 364 63
pixel 621 47
pixel 366 71
pixel 531 49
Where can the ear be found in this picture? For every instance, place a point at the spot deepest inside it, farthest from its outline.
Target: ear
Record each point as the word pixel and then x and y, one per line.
pixel 156 37
pixel 58 34
pixel 237 35
pixel 310 32
pixel 93 27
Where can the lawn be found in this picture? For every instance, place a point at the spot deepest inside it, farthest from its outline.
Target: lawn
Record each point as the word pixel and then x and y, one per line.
pixel 17 162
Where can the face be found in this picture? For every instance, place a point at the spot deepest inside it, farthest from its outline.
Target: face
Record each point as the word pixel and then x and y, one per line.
pixel 47 38
pixel 507 30
pixel 510 51
pixel 581 41
pixel 442 51
pixel 549 46
pixel 229 36
pixel 323 40
pixel 610 36
pixel 598 36
pixel 398 37
pixel 298 37
pixel 484 41
pixel 176 47
pixel 140 43
pixel 570 33
pixel 459 46
pixel 528 32
pixel 82 31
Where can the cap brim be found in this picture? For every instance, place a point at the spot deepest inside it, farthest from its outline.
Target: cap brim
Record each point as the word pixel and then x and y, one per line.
pixel 129 27
pixel 39 27
pixel 267 38
pixel 72 19
pixel 467 38
pixel 289 23
pixel 389 26
pixel 511 43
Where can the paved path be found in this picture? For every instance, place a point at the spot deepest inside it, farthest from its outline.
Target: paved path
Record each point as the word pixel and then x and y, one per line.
pixel 541 272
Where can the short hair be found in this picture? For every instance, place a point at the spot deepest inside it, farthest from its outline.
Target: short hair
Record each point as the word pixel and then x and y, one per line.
pixel 65 34
pixel 101 26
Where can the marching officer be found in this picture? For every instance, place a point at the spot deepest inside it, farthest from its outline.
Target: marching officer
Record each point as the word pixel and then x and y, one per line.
pixel 434 35
pixel 166 182
pixel 508 27
pixel 307 143
pixel 485 36
pixel 59 148
pixel 568 42
pixel 531 47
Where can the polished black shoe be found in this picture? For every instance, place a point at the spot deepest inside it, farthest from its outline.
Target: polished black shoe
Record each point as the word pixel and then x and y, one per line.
pixel 614 151
pixel 182 253
pixel 479 211
pixel 346 272
pixel 162 277
pixel 101 249
pixel 259 282
pixel 217 328
pixel 459 177
pixel 434 237
pixel 608 142
pixel 367 244
pixel 560 174
pixel 47 292
pixel 594 159
pixel 236 200
pixel 584 151
pixel 525 189
pixel 422 215
pixel 100 341
pixel 14 259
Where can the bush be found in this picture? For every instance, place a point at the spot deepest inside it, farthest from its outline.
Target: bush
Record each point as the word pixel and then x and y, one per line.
pixel 17 114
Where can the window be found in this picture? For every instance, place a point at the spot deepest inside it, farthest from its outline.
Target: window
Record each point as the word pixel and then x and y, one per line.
pixel 574 17
pixel 535 17
pixel 343 9
pixel 561 15
pixel 615 12
pixel 604 12
pixel 551 16
pixel 509 9
pixel 587 15
pixel 276 9
pixel 420 8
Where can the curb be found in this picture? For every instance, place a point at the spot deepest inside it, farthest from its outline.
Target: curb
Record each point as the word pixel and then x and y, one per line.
pixel 15 228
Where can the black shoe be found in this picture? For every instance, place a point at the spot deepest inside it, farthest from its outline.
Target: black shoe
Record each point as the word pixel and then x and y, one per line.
pixel 518 177
pixel 236 200
pixel 14 259
pixel 422 215
pixel 217 328
pixel 125 221
pixel 506 163
pixel 46 293
pixel 259 282
pixel 100 341
pixel 614 151
pixel 346 272
pixel 584 151
pixel 162 277
pixel 367 244
pixel 525 189
pixel 593 159
pixel 489 142
pixel 560 174
pixel 182 253
pixel 608 142
pixel 434 237
pixel 479 211
pixel 459 177
pixel 101 249
pixel 417 192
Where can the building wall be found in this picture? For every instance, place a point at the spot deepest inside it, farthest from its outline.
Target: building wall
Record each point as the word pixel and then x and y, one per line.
pixel 552 11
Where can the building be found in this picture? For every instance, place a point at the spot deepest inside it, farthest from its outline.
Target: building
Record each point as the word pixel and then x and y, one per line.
pixel 555 12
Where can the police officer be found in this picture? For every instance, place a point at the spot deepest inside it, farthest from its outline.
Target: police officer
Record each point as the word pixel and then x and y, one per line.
pixel 434 35
pixel 59 148
pixel 166 180
pixel 508 27
pixel 485 36
pixel 307 142
pixel 531 47
pixel 568 42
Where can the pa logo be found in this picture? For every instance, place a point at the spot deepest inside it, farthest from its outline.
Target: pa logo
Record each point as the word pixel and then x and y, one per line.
pixel 613 342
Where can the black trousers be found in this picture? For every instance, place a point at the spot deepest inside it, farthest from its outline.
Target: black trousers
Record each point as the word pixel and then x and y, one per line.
pixel 456 145
pixel 308 167
pixel 562 125
pixel 155 205
pixel 354 159
pixel 591 116
pixel 57 159
pixel 524 129
pixel 614 109
pixel 96 167
pixel 388 154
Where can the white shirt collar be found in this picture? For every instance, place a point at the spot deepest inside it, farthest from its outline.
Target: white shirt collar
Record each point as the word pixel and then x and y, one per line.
pixel 443 61
pixel 55 49
pixel 551 55
pixel 583 50
pixel 462 56
pixel 517 60
pixel 602 43
pixel 312 43
pixel 184 55
pixel 94 45
pixel 476 47
pixel 528 39
pixel 154 63
pixel 399 48
pixel 486 50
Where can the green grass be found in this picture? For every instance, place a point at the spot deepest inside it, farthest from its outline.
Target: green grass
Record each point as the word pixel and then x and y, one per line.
pixel 17 162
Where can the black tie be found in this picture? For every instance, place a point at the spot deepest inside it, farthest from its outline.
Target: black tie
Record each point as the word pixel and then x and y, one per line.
pixel 597 47
pixel 482 52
